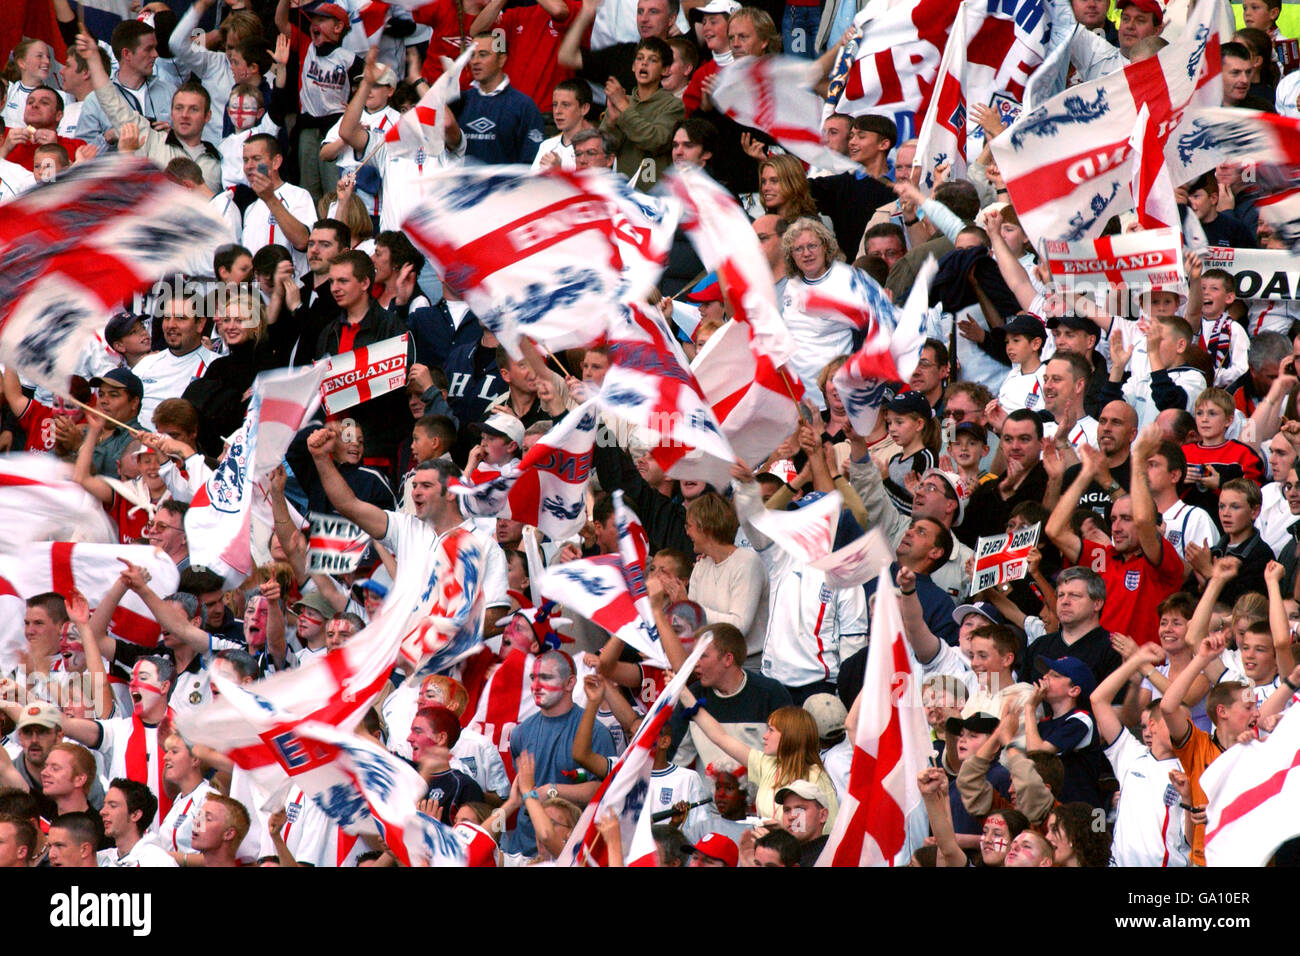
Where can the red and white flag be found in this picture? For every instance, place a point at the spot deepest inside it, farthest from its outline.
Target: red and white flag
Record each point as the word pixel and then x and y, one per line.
pixel 649 384
pixel 890 68
pixel 863 382
pixel 13 641
pixel 806 533
pixel 1252 791
pixel 634 552
pixel 390 789
pixel 548 488
pixel 1271 143
pixel 445 621
pixel 1144 259
pixel 724 239
pixel 1068 164
pixel 74 249
pixel 775 94
pixel 545 256
pixel 625 788
pixel 336 545
pixel 92 569
pixel 220 520
pixel 942 137
pixel 598 589
pixel 1153 190
pixel 39 501
pixel 421 128
pixel 890 748
pixel 365 373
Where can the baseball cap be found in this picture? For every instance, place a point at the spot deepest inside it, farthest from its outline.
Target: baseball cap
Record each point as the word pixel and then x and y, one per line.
pixel 955 484
pixel 716 847
pixel 828 712
pixel 123 377
pixel 386 76
pixel 1080 323
pixel 119 326
pixel 707 289
pixel 726 7
pixel 1079 673
pixel 379 588
pixel 805 789
pixel 1146 6
pixel 326 10
pixel 978 723
pixel 1030 326
pixel 316 602
pixel 983 608
pixel 910 403
pixel 41 714
pixel 973 429
pixel 506 426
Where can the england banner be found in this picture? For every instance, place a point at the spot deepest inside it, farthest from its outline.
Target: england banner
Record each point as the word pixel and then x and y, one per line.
pixel 1068 164
pixel 445 618
pixel 548 488
pixel 598 589
pixel 1151 258
pixel 336 545
pixel 1252 791
pixel 775 94
pixel 943 133
pixel 1258 273
pixel 890 749
pixel 390 790
pixel 807 533
pixel 40 501
pixel 421 128
pixel 625 788
pixel 724 239
pixel 74 249
pixel 545 256
pixel 220 520
pixel 92 569
pixel 649 384
pixel 896 58
pixel 864 382
pixel 1001 558
pixel 365 373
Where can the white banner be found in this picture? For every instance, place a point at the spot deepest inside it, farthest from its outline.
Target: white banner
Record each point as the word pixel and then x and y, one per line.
pixel 336 545
pixel 1258 273
pixel 1001 558
pixel 1146 259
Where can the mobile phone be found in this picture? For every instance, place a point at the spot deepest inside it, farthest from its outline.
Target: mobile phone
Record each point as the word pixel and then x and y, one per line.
pixel 263 170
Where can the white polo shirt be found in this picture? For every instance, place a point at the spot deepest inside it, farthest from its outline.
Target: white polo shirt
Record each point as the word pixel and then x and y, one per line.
pixel 261 229
pixel 166 375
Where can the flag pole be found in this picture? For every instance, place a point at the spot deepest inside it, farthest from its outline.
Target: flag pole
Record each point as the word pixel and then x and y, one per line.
pixel 134 432
pixel 804 414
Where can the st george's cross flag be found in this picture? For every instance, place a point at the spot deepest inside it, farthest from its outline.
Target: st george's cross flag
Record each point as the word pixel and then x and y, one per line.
pixel 546 255
pixel 634 552
pixel 1150 183
pixel 807 533
pixel 890 749
pixel 1068 164
pixel 625 789
pixel 421 128
pixel 40 501
pixel 775 94
pixel 74 249
pixel 597 588
pixel 364 373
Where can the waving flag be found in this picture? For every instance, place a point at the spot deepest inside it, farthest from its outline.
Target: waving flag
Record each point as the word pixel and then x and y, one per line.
pixel 1068 164
pixel 92 569
pixel 868 308
pixel 336 545
pixel 364 373
pixel 220 520
pixel 75 249
pixel 445 622
pixel 896 59
pixel 864 381
pixel 542 255
pixel 775 94
pixel 724 239
pixel 807 533
pixel 599 590
pixel 890 749
pixel 1272 144
pixel 390 789
pixel 40 501
pixel 1153 190
pixel 1252 792
pixel 13 642
pixel 625 789
pixel 548 488
pixel 421 128
pixel 649 384
pixel 634 552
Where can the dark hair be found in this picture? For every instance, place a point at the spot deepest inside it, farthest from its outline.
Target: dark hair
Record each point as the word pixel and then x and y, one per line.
pixel 1081 515
pixel 783 842
pixel 1174 458
pixel 255 51
pixel 942 539
pixel 401 251
pixel 886 230
pixel 58 97
pixel 441 721
pixel 1079 366
pixel 1025 415
pixel 266 259
pixel 670 843
pixel 18 803
pixel 1031 512
pixel 25 832
pixel 196 88
pixel 362 266
pixel 686 51
pixel 1180 603
pixel 960 197
pixel 885 128
pixel 342 234
pixel 81 827
pixel 440 426
pixel 603 509
pixel 138 797
pixel 874 266
pixel 1078 821
pixel 659 48
pixel 678 557
pixel 55 605
pixel 1050 768
pixel 200 581
pixel 272 144
pixel 404 95
pixel 579 88
pixel 1206 181
pixel 940 350
pixel 1184 424
pixel 446 470
pixel 128 35
pixel 244 663
pixel 1234 49
pixel 227 255
pixel 700 132
pixel 727 639
pixel 178 508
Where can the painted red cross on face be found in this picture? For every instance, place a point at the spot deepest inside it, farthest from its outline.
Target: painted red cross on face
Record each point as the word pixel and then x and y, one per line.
pixel 243 111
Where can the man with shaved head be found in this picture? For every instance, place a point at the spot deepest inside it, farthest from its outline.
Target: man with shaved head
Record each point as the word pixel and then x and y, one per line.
pixel 1117 426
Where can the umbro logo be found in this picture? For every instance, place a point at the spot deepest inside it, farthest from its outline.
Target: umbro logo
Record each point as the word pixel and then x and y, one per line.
pixel 482 125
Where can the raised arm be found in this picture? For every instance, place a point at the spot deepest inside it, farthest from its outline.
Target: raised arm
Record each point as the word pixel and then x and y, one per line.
pixel 569 54
pixel 933 783
pixel 1144 507
pixel 593 685
pixel 924 644
pixel 169 616
pixel 1013 272
pixel 737 750
pixel 1058 528
pixel 1279 625
pixel 372 520
pixel 1109 725
pixel 350 129
pixel 96 486
pixel 1171 704
pixel 93 644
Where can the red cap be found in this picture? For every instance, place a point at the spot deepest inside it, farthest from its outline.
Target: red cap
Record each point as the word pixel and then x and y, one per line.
pixel 717 847
pixel 328 10
pixel 1152 7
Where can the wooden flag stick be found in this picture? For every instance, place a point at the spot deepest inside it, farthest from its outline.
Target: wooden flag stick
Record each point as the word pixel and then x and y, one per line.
pixel 133 432
pixel 804 414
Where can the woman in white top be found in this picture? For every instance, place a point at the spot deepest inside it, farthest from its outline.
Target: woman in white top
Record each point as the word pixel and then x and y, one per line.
pixel 182 770
pixel 730 583
pixel 814 264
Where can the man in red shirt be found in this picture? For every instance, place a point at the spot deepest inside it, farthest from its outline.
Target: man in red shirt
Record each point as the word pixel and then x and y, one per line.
pixel 1140 567
pixel 538 28
pixel 42 114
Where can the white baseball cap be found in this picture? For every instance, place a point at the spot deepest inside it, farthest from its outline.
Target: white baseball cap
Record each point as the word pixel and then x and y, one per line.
pixel 507 426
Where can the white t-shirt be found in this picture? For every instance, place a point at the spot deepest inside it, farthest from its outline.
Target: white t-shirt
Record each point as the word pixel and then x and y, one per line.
pixel 1084 432
pixel 1149 821
pixel 1022 389
pixel 477 757
pixel 114 744
pixel 1186 523
pixel 819 339
pixel 177 830
pixel 556 144
pixel 166 375
pixel 380 121
pixel 261 229
pixel 14 180
pixel 402 175
pixel 146 852
pixel 232 151
pixel 674 785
